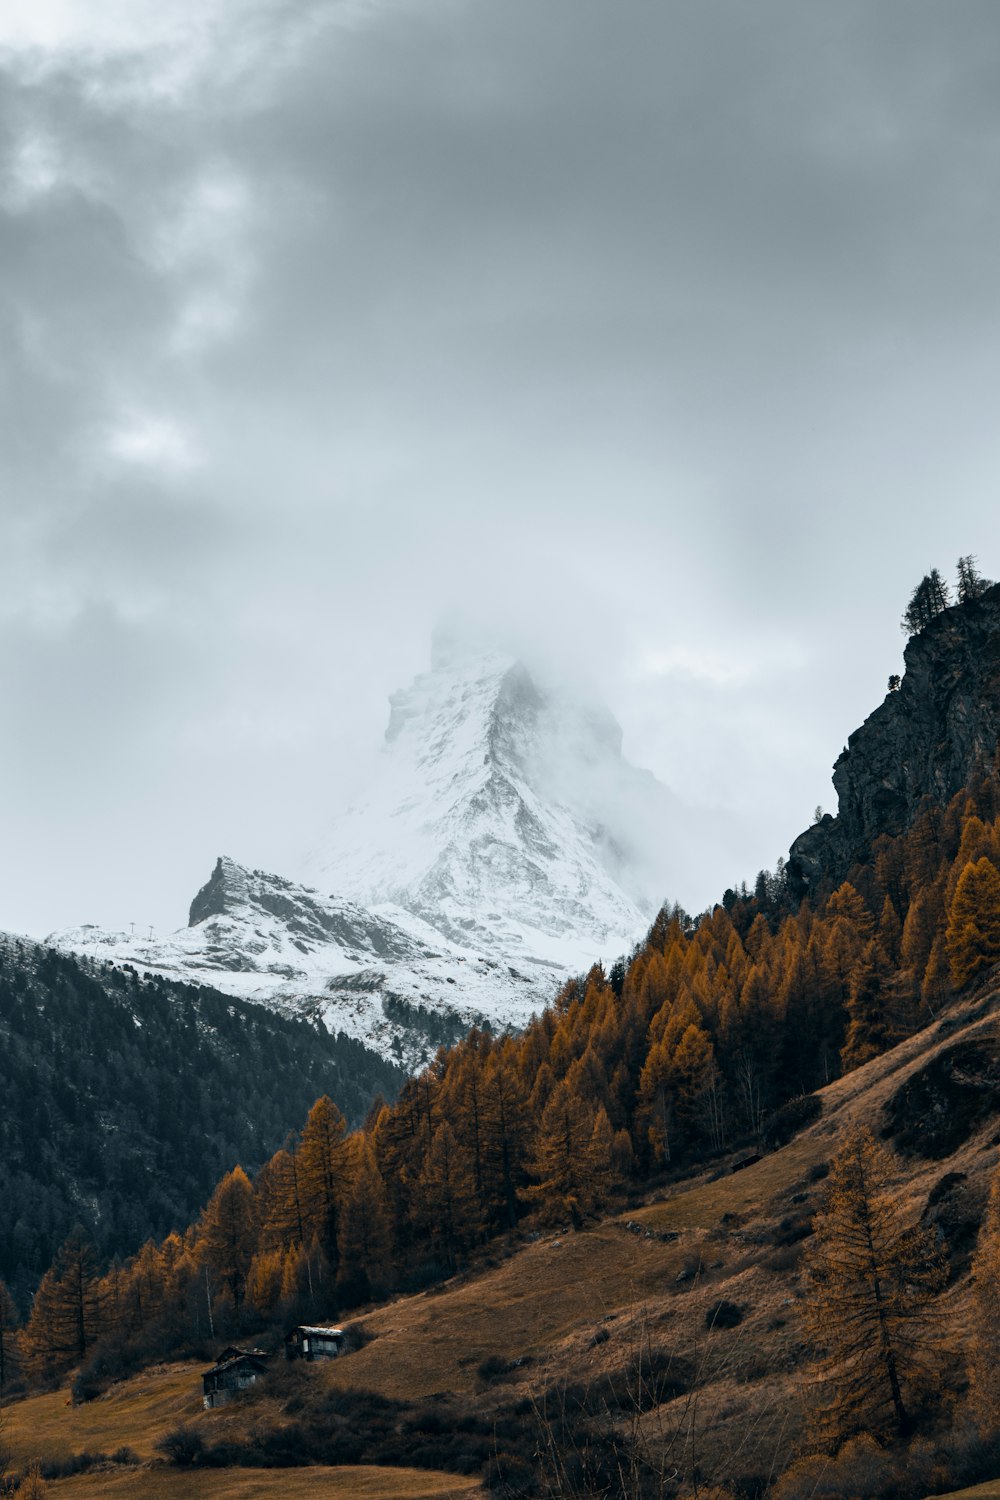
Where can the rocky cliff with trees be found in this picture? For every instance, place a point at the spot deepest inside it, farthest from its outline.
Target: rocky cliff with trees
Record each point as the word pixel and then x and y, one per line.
pixel 934 734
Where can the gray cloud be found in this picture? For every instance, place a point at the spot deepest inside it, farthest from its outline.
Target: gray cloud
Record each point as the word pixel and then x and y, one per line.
pixel 663 337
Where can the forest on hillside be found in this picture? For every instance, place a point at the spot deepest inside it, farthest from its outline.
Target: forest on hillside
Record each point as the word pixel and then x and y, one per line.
pixel 125 1097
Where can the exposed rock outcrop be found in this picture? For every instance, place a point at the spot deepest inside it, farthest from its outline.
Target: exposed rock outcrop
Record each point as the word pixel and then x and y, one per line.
pixel 925 741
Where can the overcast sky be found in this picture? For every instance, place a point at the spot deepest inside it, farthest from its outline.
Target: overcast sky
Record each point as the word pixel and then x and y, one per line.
pixel 667 333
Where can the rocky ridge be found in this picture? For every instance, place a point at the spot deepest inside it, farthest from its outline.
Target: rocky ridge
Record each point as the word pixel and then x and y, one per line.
pixel 923 743
pixel 383 978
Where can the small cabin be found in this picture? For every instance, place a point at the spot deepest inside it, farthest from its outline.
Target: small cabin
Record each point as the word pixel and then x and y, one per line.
pixel 310 1341
pixel 233 1371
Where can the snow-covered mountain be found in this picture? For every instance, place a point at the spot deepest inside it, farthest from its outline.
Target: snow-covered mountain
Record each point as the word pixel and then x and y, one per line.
pixel 503 813
pixel 385 978
pixel 498 848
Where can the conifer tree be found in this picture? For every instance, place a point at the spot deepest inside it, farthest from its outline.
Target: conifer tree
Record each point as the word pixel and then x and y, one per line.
pixel 935 986
pixel 365 1240
pixel 447 1198
pixel 695 1084
pixel 871 1285
pixel 919 932
pixel 560 1161
pixel 984 1354
pixel 928 599
pixel 601 1160
pixel 874 1022
pixel 279 1200
pixel 506 1128
pixel 321 1174
pixel 65 1315
pixel 971 583
pixel 264 1281
pixel 227 1233
pixel 973 934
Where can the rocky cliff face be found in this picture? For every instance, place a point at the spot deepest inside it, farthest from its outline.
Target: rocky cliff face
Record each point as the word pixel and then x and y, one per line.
pixel 924 741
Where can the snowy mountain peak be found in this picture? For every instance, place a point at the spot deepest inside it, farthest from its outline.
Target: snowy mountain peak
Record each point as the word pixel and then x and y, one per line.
pixel 501 811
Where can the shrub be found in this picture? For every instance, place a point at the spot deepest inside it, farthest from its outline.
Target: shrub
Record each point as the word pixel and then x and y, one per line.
pixel 493 1367
pixel 723 1314
pixel 183 1445
pixel 74 1463
pixel 647 1380
pixel 791 1230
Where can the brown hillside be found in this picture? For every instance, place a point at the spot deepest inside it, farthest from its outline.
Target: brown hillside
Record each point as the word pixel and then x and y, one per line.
pixel 570 1310
pixel 567 1283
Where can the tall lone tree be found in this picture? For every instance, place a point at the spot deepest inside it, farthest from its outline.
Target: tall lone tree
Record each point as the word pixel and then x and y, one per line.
pixel 971 583
pixel 928 599
pixel 872 1282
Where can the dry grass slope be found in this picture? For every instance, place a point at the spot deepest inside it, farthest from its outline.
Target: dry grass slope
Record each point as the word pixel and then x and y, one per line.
pixel 351 1483
pixel 142 1410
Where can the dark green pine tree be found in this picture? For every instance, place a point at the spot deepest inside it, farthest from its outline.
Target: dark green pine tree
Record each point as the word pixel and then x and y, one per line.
pixel 929 598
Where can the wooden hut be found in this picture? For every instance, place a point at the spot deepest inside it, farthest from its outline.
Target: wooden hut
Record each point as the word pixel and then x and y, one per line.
pixel 313 1341
pixel 233 1371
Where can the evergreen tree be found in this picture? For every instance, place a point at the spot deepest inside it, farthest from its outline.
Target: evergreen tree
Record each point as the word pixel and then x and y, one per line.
pixel 871 1286
pixel 447 1198
pixel 872 1027
pixel 65 1315
pixel 973 935
pixel 321 1175
pixel 227 1233
pixel 971 583
pixel 560 1160
pixel 365 1240
pixel 929 598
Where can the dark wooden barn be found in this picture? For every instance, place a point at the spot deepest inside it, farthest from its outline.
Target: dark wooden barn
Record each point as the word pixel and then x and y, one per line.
pixel 233 1371
pixel 311 1341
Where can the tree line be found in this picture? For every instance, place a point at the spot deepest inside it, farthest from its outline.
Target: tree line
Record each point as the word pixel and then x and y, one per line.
pixel 933 594
pixel 125 1097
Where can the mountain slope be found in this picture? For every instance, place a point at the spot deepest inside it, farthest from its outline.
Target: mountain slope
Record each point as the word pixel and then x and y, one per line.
pixel 124 1099
pixel 382 977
